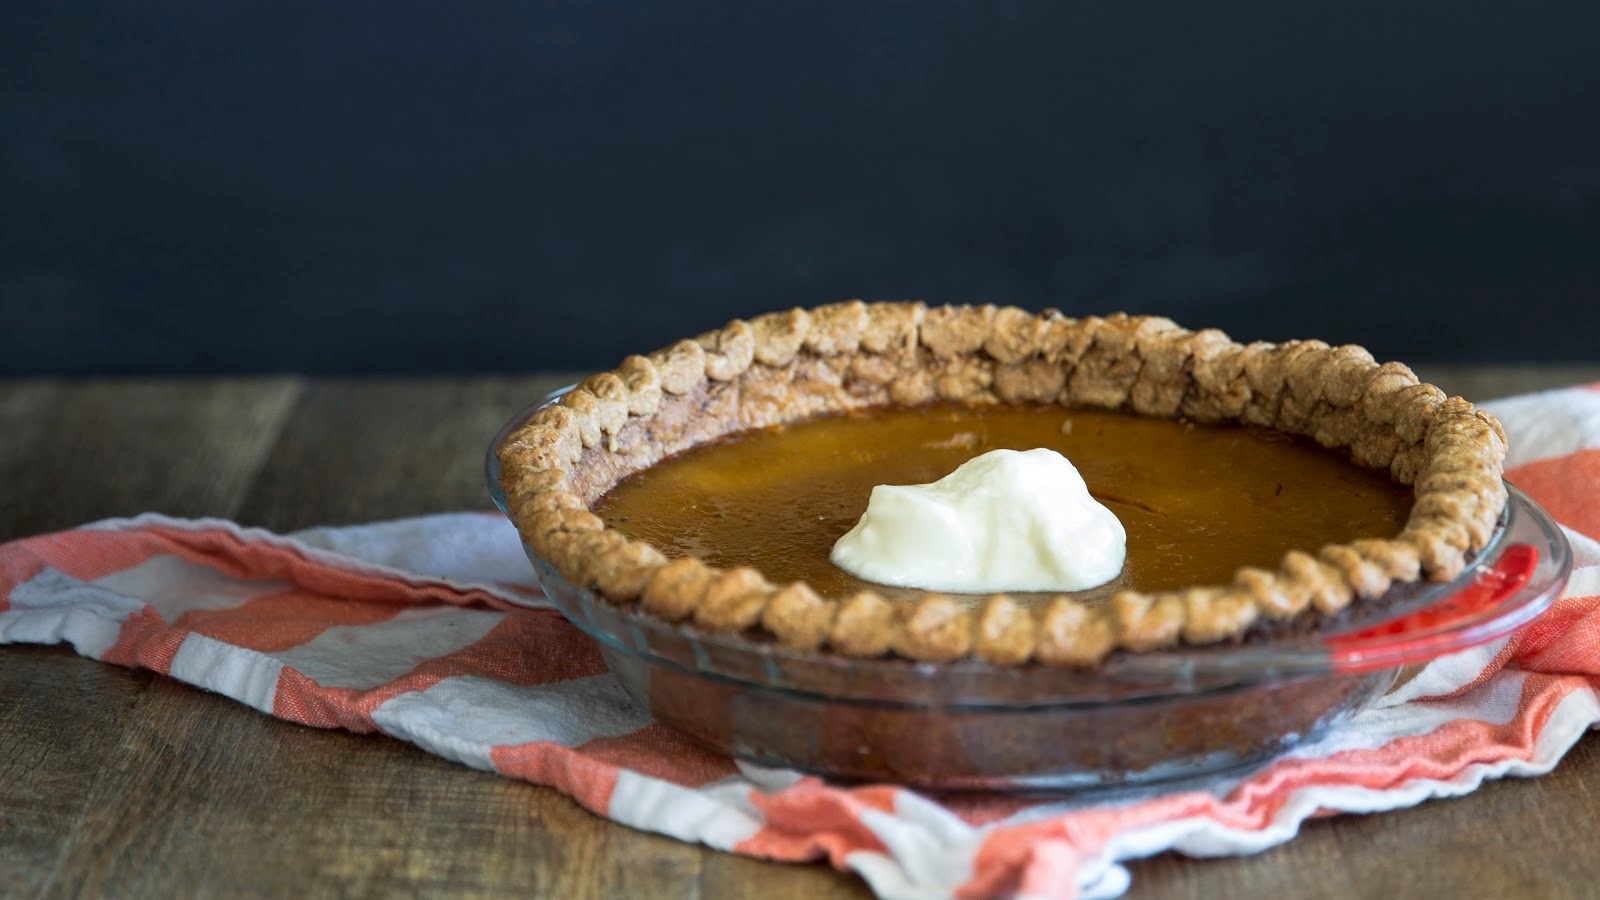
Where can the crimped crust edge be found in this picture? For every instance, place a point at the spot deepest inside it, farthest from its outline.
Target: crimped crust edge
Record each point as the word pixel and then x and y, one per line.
pixel 790 365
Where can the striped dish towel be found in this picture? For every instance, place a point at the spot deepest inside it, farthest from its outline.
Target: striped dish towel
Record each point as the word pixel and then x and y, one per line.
pixel 422 629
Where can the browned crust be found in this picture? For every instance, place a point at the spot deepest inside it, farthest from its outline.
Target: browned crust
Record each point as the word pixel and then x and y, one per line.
pixel 787 366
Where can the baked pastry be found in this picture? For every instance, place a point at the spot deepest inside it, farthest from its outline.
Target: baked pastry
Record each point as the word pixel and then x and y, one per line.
pixel 853 357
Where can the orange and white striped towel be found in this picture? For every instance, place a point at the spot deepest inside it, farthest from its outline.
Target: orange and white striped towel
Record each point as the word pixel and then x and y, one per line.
pixel 420 629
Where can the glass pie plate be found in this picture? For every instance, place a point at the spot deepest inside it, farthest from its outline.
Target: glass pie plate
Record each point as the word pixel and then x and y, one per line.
pixel 1141 718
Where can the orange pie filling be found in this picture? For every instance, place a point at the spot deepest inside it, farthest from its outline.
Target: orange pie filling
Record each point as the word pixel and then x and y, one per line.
pixel 1198 502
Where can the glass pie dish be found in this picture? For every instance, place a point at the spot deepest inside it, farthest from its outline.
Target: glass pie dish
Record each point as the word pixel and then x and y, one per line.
pixel 1139 718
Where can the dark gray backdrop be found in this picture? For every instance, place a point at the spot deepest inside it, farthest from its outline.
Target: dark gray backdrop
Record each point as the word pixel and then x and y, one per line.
pixel 214 185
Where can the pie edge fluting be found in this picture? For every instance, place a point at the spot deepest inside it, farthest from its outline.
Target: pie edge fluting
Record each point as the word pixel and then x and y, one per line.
pixel 794 364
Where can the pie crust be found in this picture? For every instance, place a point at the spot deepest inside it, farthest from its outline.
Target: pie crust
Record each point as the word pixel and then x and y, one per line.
pixel 787 366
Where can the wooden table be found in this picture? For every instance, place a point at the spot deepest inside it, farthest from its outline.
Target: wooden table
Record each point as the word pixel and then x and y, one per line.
pixel 115 782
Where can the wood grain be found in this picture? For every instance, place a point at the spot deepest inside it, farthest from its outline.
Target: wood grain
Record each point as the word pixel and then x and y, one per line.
pixel 116 783
pixel 244 801
pixel 60 718
pixel 356 450
pixel 72 452
pixel 1482 383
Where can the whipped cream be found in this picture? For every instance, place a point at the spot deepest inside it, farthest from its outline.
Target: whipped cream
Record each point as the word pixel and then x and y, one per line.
pixel 1007 520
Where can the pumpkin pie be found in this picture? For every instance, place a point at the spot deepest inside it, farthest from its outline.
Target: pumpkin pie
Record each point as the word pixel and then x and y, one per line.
pixel 1263 485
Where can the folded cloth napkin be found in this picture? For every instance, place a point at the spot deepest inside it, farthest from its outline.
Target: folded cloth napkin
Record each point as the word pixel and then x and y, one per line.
pixel 428 630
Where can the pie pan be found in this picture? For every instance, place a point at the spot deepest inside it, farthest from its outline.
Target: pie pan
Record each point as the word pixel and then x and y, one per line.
pixel 1138 718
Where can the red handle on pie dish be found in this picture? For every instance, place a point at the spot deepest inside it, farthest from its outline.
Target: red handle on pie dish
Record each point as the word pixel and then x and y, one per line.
pixel 1408 638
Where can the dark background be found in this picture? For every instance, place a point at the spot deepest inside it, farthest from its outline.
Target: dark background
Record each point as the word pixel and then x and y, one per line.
pixel 327 186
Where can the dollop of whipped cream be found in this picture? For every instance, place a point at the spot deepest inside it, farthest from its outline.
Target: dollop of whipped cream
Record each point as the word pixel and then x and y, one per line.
pixel 1007 520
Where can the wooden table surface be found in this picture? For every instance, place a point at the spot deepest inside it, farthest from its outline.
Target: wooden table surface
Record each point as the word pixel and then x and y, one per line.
pixel 114 782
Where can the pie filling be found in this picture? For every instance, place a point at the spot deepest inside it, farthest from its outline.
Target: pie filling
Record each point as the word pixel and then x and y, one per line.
pixel 1198 501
